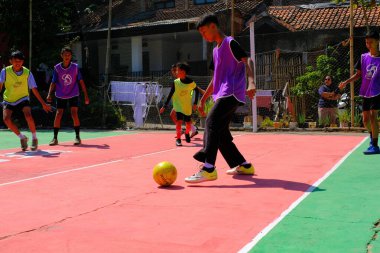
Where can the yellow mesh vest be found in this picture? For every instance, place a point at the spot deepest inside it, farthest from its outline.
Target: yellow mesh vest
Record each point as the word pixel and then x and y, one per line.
pixel 16 87
pixel 182 97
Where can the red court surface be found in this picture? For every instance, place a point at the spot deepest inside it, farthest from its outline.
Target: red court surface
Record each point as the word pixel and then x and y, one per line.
pixel 100 197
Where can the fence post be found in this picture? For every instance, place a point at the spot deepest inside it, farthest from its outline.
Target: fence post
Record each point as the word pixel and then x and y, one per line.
pixel 352 87
pixel 253 58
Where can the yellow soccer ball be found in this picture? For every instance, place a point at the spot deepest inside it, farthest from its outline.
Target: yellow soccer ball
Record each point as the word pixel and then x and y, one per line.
pixel 164 173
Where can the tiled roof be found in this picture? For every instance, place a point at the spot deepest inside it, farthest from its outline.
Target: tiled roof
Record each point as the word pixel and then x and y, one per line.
pixel 298 18
pixel 246 7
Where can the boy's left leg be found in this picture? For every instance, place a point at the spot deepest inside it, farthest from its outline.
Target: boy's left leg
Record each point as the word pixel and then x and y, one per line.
pixel 370 110
pixel 74 115
pixel 374 127
pixel 29 119
pixel 188 128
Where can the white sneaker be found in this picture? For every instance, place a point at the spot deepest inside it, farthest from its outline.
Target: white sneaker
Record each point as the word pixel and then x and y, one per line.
pixel 202 176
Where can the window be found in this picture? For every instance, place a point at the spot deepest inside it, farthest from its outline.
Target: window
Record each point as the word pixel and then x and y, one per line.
pixel 204 1
pixel 160 4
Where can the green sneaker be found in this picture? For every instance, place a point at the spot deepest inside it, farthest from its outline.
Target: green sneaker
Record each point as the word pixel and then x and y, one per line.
pixel 24 143
pixel 77 141
pixel 34 146
pixel 53 142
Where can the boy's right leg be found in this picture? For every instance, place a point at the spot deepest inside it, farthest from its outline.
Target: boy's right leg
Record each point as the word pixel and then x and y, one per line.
pixel 57 126
pixel 173 116
pixel 7 118
pixel 178 128
pixel 217 120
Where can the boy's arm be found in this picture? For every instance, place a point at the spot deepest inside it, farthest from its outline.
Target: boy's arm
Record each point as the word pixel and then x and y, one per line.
pixel 51 90
pixel 251 89
pixel 46 107
pixel 2 79
pixel 206 95
pixel 33 86
pixel 196 98
pixel 353 78
pixel 84 89
pixel 168 99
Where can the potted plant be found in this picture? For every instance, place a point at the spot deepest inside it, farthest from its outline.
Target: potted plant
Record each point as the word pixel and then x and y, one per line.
pixel 344 118
pixel 358 120
pixel 267 122
pixel 302 121
pixel 324 122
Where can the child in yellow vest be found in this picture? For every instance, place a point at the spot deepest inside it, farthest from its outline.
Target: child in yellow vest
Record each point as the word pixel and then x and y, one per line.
pixel 182 91
pixel 18 80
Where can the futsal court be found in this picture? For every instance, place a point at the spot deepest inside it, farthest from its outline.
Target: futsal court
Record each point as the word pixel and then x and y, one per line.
pixel 100 196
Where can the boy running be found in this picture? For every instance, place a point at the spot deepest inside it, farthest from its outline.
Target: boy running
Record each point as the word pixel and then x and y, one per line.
pixel 228 88
pixel 18 80
pixel 182 101
pixel 66 76
pixel 194 129
pixel 368 68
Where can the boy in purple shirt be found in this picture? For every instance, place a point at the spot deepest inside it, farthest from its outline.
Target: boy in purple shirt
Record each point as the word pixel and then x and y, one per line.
pixel 368 69
pixel 228 88
pixel 66 77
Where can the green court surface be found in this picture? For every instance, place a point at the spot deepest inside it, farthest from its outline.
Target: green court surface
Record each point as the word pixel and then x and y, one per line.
pixel 10 140
pixel 338 217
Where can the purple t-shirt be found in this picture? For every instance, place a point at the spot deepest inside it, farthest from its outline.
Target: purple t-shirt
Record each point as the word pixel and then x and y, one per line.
pixel 229 73
pixel 66 80
pixel 370 70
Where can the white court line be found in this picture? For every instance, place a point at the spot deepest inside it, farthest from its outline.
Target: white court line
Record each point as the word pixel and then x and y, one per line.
pixel 155 153
pixel 268 228
pixel 60 172
pixel 168 150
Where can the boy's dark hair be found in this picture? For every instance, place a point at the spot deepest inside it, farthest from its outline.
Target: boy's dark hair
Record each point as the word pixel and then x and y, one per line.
pixel 184 66
pixel 372 34
pixel 209 18
pixel 17 55
pixel 66 49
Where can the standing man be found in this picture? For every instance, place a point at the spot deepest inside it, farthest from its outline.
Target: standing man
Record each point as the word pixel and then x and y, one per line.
pixel 327 105
pixel 368 68
pixel 228 88
pixel 65 82
pixel 18 80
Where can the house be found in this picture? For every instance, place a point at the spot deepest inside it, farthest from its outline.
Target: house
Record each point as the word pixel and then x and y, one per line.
pixel 149 36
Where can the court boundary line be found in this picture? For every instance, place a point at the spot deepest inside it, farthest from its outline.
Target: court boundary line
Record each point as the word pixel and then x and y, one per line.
pixel 249 246
pixel 60 172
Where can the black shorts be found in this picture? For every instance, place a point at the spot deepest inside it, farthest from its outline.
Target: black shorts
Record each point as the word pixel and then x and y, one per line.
pixel 181 116
pixel 372 103
pixel 17 107
pixel 63 102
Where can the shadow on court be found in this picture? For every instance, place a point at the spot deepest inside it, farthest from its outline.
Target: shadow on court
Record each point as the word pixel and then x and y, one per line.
pixel 266 183
pixel 102 146
pixel 171 188
pixel 39 152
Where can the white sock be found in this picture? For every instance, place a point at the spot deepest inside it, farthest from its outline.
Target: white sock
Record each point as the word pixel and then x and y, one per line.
pixel 34 136
pixel 244 163
pixel 21 136
pixel 208 166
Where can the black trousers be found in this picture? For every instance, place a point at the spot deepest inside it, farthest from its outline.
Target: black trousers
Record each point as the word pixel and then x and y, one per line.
pixel 217 135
